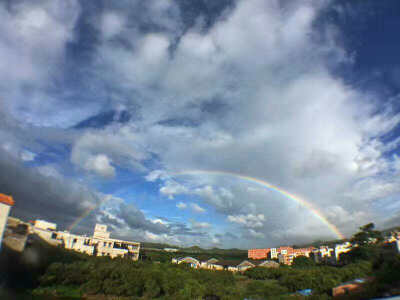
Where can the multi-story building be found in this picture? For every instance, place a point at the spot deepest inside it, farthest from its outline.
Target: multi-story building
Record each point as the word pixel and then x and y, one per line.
pixel 286 259
pixel 46 230
pixel 258 253
pixel 274 253
pixel 6 202
pixel 100 231
pixel 342 248
pixel 303 252
pixel 41 224
pixel 288 254
pixel 100 244
pixel 286 250
pixel 325 251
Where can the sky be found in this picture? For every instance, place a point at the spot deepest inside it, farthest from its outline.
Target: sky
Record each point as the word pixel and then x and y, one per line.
pixel 214 123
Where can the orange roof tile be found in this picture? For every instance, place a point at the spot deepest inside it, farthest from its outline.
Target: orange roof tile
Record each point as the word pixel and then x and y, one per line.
pixel 6 199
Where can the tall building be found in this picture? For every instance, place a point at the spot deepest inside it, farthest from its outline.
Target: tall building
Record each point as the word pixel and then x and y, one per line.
pixel 6 202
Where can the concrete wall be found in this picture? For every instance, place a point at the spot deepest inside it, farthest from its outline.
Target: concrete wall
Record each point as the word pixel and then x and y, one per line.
pixel 4 211
pixel 41 224
pixel 100 231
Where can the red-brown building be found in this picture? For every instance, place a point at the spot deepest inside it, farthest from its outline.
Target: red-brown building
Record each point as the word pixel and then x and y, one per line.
pixel 258 253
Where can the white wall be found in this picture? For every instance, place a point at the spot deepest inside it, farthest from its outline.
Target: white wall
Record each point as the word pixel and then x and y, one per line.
pixel 45 225
pixel 4 211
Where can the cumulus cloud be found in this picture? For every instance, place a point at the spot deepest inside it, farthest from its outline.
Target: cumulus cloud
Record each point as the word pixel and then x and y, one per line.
pixel 34 54
pixel 94 151
pixel 200 225
pixel 250 221
pixel 238 94
pixel 100 164
pixel 181 205
pixel 197 208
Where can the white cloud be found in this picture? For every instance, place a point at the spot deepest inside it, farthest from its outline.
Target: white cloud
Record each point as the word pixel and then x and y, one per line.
pixel 249 221
pixel 94 151
pixel 200 225
pixel 28 155
pixel 256 234
pixel 155 175
pixel 112 24
pixel 172 188
pixel 181 205
pixel 33 37
pixel 197 208
pixel 101 165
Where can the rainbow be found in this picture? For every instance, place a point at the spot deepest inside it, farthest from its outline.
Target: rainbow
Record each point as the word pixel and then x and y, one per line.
pixel 86 213
pixel 81 217
pixel 318 214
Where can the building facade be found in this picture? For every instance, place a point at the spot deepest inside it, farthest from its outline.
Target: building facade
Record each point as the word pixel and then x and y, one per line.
pixel 6 202
pixel 342 248
pixel 258 253
pixel 285 255
pixel 100 244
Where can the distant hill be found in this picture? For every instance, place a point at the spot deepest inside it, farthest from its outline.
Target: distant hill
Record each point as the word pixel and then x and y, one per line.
pixel 157 245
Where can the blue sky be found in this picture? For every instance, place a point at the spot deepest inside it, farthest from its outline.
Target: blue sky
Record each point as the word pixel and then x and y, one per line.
pixel 105 104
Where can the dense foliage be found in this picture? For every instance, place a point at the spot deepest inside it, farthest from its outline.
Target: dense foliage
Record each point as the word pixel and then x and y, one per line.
pixel 54 271
pixel 319 278
pixel 122 277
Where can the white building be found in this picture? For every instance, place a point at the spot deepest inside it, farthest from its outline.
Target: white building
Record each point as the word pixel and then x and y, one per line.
pixel 342 248
pixel 6 202
pixel 325 251
pixel 100 244
pixel 274 253
pixel 100 231
pixel 41 224
pixel 46 231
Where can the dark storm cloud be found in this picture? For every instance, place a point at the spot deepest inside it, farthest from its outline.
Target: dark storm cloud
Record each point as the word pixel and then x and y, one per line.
pixel 42 197
pixel 136 219
pixel 183 229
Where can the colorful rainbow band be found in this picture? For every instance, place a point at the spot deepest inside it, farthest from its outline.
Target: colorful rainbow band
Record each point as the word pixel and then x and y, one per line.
pixel 272 187
pixel 263 183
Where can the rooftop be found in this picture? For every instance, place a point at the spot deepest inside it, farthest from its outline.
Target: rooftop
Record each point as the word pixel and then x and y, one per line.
pixel 6 200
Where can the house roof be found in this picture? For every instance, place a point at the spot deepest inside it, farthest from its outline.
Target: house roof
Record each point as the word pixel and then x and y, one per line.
pixel 228 263
pixel 267 262
pixel 6 200
pixel 246 263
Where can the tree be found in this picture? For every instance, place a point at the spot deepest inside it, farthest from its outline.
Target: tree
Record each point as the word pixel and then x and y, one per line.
pixel 367 235
pixel 302 262
pixel 265 289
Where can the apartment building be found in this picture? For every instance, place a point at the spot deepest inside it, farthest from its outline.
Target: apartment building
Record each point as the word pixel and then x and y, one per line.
pixel 342 248
pixel 274 253
pixel 258 253
pixel 285 255
pixel 100 244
